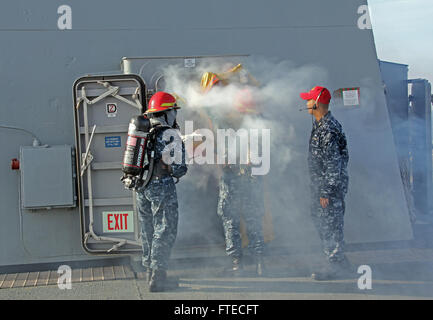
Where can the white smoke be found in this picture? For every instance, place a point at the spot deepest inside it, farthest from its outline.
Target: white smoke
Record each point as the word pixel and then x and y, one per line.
pixel 277 96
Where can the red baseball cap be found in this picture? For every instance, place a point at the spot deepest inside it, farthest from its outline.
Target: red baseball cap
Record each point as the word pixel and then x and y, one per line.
pixel 325 97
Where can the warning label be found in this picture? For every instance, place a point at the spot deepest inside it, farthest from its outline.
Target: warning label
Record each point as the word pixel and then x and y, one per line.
pixel 189 63
pixel 112 142
pixel 111 110
pixel 118 221
pixel 351 97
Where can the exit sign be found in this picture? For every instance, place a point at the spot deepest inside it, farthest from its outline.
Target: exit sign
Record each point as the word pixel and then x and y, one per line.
pixel 118 221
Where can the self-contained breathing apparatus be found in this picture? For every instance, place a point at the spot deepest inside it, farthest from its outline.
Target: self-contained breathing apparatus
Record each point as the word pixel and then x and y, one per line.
pixel 139 165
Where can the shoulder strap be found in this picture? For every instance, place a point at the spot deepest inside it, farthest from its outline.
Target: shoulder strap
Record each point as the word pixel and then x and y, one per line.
pixel 151 156
pixel 155 131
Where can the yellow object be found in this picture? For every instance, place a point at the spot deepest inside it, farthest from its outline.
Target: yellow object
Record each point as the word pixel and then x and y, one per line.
pixel 239 69
pixel 208 80
pixel 232 70
pixel 228 75
pixel 168 104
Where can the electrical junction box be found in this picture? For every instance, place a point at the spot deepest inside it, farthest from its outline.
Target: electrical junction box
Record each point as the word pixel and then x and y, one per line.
pixel 47 177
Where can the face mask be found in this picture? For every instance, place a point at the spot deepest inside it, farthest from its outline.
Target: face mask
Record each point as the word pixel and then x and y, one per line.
pixel 171 117
pixel 167 119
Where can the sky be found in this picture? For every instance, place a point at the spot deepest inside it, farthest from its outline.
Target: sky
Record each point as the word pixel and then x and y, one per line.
pixel 403 32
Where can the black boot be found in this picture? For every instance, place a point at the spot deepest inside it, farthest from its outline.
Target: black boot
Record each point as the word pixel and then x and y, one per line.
pixel 260 266
pixel 158 280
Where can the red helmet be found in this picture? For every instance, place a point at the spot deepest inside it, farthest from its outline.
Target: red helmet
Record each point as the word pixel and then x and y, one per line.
pixel 161 101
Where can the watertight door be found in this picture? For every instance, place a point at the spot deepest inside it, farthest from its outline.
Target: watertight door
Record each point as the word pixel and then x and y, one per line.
pixel 103 106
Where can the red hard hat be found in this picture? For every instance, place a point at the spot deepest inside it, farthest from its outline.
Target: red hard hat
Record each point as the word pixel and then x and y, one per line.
pixel 161 101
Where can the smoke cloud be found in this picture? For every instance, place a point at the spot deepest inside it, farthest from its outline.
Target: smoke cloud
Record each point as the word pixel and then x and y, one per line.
pixel 286 178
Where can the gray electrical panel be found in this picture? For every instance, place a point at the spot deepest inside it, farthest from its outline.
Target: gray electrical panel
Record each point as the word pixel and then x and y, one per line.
pixel 47 177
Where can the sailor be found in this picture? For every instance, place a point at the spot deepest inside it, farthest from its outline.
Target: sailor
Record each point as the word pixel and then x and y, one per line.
pixel 327 162
pixel 157 202
pixel 240 193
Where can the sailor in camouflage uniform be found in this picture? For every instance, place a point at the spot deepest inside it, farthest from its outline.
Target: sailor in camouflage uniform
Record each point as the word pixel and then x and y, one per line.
pixel 240 192
pixel 157 202
pixel 327 161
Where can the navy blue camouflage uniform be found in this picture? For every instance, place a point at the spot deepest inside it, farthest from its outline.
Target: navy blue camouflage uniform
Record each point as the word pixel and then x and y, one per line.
pixel 158 209
pixel 327 162
pixel 241 195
